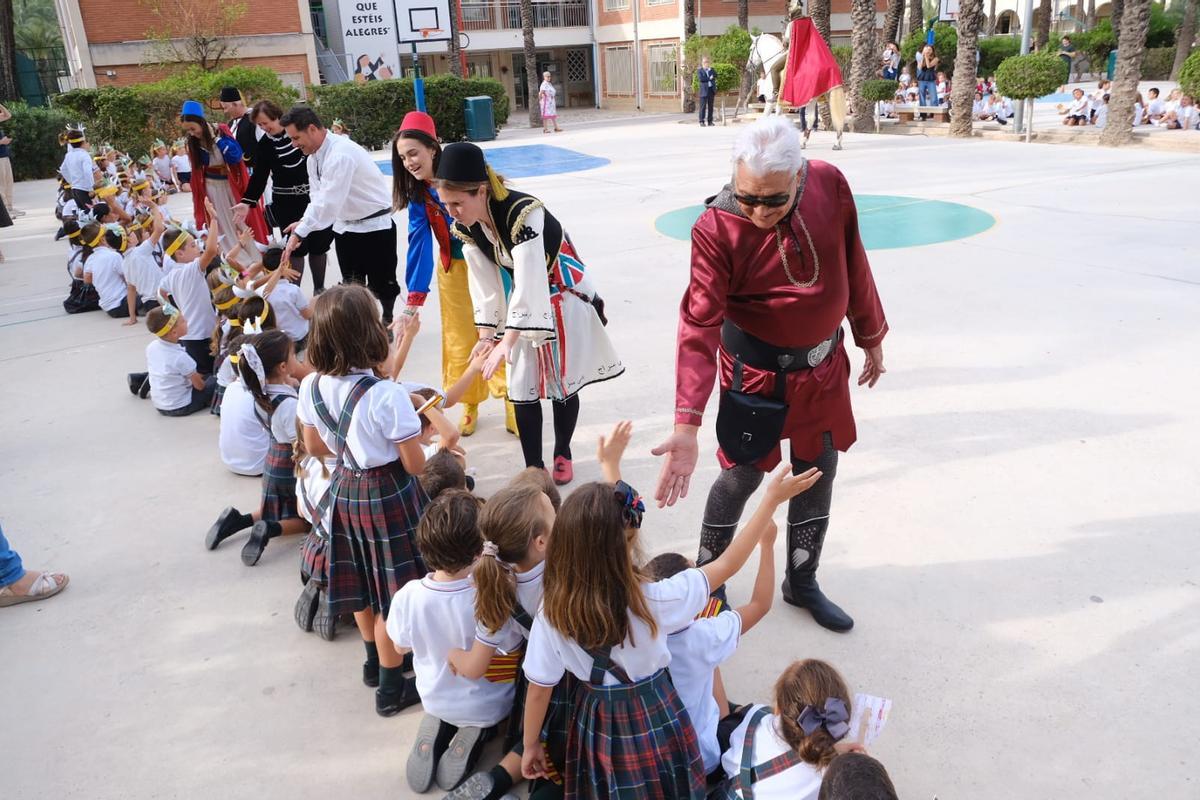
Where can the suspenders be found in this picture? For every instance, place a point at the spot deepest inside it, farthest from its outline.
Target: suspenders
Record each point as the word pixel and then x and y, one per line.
pixel 522 616
pixel 276 401
pixel 341 427
pixel 602 662
pixel 751 774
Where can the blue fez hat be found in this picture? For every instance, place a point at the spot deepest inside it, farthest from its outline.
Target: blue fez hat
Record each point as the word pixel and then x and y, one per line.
pixel 192 108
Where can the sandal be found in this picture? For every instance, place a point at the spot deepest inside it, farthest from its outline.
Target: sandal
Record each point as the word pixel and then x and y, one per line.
pixel 44 586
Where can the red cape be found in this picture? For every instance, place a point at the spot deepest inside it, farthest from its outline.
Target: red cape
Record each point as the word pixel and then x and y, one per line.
pixel 239 177
pixel 811 68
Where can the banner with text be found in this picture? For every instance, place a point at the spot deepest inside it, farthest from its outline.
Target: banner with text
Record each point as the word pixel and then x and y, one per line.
pixel 369 36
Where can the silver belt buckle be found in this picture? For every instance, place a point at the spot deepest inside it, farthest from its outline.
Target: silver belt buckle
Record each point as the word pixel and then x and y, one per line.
pixel 818 353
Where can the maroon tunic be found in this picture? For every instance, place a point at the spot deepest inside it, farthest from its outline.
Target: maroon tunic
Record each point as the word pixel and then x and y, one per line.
pixel 737 274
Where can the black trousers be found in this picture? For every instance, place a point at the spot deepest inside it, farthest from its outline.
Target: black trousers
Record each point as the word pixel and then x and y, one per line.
pixel 370 259
pixel 201 352
pixel 706 102
pixel 82 198
pixel 289 208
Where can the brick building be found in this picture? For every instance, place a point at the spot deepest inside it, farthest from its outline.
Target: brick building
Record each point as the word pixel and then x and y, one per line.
pixel 106 46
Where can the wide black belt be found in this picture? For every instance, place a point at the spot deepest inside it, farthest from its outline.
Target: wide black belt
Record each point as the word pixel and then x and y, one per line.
pixel 754 352
pixel 381 212
pixel 290 191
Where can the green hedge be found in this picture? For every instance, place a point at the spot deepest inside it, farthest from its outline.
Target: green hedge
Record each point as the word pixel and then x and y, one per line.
pixel 36 152
pixel 995 49
pixel 1189 76
pixel 728 77
pixel 1030 76
pixel 373 110
pixel 131 118
pixel 843 54
pixel 878 90
pixel 945 43
pixel 1157 63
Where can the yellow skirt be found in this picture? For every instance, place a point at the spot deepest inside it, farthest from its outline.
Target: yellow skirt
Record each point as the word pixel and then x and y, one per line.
pixel 459 335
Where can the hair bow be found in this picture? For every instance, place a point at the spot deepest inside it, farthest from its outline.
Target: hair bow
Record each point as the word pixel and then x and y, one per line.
pixel 835 718
pixel 632 507
pixel 248 354
pixel 242 292
pixel 255 326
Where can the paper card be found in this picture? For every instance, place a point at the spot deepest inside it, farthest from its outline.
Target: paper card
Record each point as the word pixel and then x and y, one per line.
pixel 868 717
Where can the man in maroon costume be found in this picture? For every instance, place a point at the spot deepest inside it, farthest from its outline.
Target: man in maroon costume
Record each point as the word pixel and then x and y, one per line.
pixel 777 263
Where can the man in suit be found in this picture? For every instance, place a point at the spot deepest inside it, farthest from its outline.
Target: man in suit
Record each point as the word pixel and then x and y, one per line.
pixel 706 76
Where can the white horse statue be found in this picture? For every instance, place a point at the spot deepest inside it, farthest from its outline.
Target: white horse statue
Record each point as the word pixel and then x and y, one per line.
pixel 768 57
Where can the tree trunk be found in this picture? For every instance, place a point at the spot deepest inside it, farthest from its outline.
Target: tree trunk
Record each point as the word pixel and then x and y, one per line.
pixel 532 79
pixel 9 90
pixel 863 61
pixel 744 14
pixel 819 11
pixel 1090 18
pixel 916 18
pixel 689 30
pixel 1131 46
pixel 892 20
pixel 454 51
pixel 1045 10
pixel 1187 35
pixel 1118 9
pixel 990 24
pixel 962 91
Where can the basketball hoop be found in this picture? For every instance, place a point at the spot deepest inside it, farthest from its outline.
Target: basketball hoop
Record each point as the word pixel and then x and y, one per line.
pixel 427 32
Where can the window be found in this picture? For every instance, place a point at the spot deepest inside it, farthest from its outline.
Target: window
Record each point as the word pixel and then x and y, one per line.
pixel 579 66
pixel 663 61
pixel 616 5
pixel 618 70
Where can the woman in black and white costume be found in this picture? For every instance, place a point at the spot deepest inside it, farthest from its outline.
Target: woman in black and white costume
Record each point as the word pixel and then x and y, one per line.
pixel 548 326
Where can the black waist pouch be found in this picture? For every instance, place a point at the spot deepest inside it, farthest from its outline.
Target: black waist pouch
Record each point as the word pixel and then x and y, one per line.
pixel 749 426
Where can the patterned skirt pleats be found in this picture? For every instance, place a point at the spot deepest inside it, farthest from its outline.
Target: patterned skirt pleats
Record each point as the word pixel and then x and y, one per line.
pixel 373 542
pixel 633 741
pixel 314 555
pixel 279 484
pixel 218 396
pixel 555 729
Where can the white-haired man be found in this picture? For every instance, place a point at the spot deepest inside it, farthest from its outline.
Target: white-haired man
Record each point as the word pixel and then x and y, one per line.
pixel 777 263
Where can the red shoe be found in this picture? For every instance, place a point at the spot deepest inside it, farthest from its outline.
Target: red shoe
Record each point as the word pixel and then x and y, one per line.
pixel 563 473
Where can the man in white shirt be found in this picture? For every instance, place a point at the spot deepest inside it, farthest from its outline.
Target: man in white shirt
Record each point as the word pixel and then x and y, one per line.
pixel 78 169
pixel 347 191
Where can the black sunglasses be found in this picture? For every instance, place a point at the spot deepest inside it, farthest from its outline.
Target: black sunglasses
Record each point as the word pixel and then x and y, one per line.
pixel 770 200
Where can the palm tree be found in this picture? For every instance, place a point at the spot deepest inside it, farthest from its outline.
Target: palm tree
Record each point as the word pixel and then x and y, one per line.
pixel 456 65
pixel 990 26
pixel 962 92
pixel 1043 25
pixel 1118 10
pixel 1131 46
pixel 819 11
pixel 916 18
pixel 532 79
pixel 1089 19
pixel 744 14
pixel 8 53
pixel 862 43
pixel 891 21
pixel 689 30
pixel 1187 35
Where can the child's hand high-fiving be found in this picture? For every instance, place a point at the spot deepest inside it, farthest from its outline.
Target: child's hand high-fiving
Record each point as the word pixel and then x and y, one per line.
pixel 610 449
pixel 784 485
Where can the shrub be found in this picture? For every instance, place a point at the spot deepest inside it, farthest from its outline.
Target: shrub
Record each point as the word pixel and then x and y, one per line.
pixel 945 42
pixel 1030 76
pixel 728 78
pixel 732 47
pixel 878 91
pixel 1189 76
pixel 373 110
pixel 995 49
pixel 36 152
pixel 130 118
pixel 843 54
pixel 1157 63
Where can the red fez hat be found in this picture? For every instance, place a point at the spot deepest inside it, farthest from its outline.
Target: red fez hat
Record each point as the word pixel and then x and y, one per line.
pixel 419 121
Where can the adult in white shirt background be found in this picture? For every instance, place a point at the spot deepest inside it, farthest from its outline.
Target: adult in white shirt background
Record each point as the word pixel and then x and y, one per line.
pixel 347 191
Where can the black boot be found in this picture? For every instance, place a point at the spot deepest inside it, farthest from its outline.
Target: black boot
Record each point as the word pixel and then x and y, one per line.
pixel 230 522
pixel 395 692
pixel 800 588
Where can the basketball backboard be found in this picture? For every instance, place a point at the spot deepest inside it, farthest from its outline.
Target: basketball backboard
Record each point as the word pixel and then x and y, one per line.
pixel 422 21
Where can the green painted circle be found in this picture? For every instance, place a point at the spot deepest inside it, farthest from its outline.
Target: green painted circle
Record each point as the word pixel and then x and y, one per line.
pixel 884 221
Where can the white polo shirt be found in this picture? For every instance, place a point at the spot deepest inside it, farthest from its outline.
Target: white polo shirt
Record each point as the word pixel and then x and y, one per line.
pixel 142 271
pixel 288 300
pixel 801 782
pixel 672 602
pixel 243 441
pixel 187 284
pixel 170 369
pixel 106 267
pixel 383 417
pixel 513 634
pixel 431 618
pixel 696 651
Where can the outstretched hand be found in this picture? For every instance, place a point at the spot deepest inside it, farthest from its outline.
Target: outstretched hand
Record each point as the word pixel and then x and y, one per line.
pixel 681 451
pixel 872 366
pixel 783 485
pixel 610 449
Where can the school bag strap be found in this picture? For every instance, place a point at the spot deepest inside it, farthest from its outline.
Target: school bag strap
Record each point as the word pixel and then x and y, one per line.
pixel 341 426
pixel 602 662
pixel 522 616
pixel 319 511
pixel 750 774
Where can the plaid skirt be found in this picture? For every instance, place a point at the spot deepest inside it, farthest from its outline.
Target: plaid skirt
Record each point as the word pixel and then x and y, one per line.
pixel 314 555
pixel 218 396
pixel 556 728
pixel 633 741
pixel 279 484
pixel 373 537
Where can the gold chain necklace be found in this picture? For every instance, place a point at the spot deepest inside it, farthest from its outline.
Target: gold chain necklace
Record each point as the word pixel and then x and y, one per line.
pixel 811 248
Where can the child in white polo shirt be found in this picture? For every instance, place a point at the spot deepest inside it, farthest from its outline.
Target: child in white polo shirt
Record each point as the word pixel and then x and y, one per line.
pixel 706 642
pixel 431 617
pixel 176 388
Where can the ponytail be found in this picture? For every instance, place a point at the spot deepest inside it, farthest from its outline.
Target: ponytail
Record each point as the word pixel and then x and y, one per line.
pixel 510 522
pixel 258 357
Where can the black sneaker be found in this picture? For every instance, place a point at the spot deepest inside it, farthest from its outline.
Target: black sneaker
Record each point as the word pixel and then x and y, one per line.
pixel 230 522
pixel 325 623
pixel 371 674
pixel 144 391
pixel 135 381
pixel 262 532
pixel 388 704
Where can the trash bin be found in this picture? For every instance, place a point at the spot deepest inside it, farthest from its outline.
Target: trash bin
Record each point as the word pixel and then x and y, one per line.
pixel 1112 63
pixel 480 123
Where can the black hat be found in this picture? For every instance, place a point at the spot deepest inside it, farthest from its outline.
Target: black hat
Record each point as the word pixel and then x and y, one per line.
pixel 462 162
pixel 231 94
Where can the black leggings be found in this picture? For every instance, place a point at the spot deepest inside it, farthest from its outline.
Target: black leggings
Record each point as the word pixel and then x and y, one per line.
pixel 529 425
